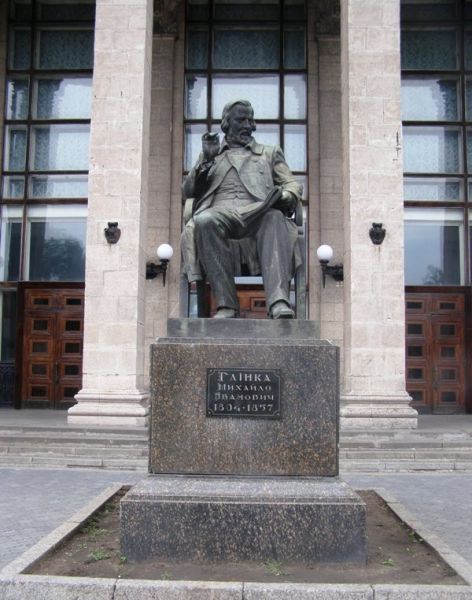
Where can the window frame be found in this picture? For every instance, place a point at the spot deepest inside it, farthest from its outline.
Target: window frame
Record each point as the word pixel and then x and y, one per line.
pixel 35 24
pixel 463 23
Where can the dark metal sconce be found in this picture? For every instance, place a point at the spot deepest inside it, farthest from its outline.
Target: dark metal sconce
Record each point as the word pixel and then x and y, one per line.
pixel 164 253
pixel 377 233
pixel 112 233
pixel 325 254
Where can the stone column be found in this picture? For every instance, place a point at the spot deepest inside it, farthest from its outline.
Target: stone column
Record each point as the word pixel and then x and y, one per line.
pixel 373 393
pixel 113 369
pixel 165 161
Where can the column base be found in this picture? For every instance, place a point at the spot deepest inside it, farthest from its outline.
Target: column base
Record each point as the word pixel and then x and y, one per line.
pixel 110 408
pixel 377 412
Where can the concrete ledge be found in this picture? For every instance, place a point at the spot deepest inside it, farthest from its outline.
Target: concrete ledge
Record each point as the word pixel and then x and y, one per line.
pixel 16 586
pixel 306 591
pixel 177 590
pixel 421 592
pixel 39 587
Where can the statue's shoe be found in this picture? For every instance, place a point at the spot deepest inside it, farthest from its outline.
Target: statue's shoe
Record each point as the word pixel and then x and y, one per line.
pixel 225 313
pixel 281 310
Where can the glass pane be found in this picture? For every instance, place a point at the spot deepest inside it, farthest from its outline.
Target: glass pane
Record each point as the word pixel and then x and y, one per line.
pixel 469 149
pixel 432 150
pixel 60 147
pixel 468 98
pixel 13 187
pixel 58 186
pixel 429 49
pixel 197 47
pixel 195 97
pixel 198 9
pixel 20 49
pixel 430 99
pixel 21 11
pixel 262 91
pixel 65 11
pixel 62 98
pixel 434 189
pixel 433 246
pixel 193 144
pixel 294 10
pixel 295 96
pixel 17 98
pixel 295 147
pixel 8 341
pixel 303 180
pixel 56 243
pixel 294 47
pixel 65 49
pixel 269 135
pixel 256 10
pixel 248 48
pixel 428 11
pixel 15 148
pixel 468 50
pixel 10 243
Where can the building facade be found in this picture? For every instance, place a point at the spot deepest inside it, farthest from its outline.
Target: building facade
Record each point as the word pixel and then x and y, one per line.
pixel 105 105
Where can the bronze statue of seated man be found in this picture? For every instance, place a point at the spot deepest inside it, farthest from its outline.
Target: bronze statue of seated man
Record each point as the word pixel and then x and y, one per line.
pixel 239 198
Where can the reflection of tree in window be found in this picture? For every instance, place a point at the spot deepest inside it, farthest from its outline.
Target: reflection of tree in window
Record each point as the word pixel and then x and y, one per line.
pixel 434 276
pixel 57 253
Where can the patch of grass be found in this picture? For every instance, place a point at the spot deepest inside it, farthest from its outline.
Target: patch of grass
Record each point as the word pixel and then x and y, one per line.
pixel 166 576
pixel 414 537
pixel 99 554
pixel 91 528
pixel 388 562
pixel 274 567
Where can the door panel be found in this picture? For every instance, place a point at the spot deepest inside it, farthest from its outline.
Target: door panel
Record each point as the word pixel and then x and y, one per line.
pixel 435 352
pixel 52 347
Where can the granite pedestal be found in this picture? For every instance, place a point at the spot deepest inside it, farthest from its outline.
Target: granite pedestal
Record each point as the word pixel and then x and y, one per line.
pixel 243 449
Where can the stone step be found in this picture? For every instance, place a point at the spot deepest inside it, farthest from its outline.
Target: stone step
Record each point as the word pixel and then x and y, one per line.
pixel 11 440
pixel 406 441
pixel 51 432
pixel 403 465
pixel 79 429
pixel 82 450
pixel 412 453
pixel 15 460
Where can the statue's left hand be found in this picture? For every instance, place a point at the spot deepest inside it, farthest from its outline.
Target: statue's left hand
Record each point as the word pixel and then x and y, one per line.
pixel 287 203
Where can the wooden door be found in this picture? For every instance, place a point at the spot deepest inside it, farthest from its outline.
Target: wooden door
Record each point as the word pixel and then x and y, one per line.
pixel 435 352
pixel 52 347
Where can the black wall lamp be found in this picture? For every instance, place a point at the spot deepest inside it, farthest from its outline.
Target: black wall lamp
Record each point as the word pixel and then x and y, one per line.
pixel 112 233
pixel 164 254
pixel 377 233
pixel 325 254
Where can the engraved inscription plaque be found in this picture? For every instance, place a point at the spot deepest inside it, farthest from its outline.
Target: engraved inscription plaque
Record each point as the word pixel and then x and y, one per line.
pixel 243 393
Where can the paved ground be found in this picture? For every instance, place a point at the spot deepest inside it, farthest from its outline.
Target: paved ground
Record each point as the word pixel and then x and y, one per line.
pixel 34 502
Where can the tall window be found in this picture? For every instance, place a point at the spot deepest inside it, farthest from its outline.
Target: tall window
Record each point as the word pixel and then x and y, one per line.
pixel 437 133
pixel 250 50
pixel 46 140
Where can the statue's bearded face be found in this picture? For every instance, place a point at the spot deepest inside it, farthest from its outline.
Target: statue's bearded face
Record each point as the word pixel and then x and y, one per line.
pixel 240 124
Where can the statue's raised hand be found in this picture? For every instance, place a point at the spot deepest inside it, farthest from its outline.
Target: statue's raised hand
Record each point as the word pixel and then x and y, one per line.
pixel 210 146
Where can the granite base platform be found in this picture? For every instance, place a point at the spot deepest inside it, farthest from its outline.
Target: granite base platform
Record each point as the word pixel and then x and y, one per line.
pixel 243 449
pixel 215 519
